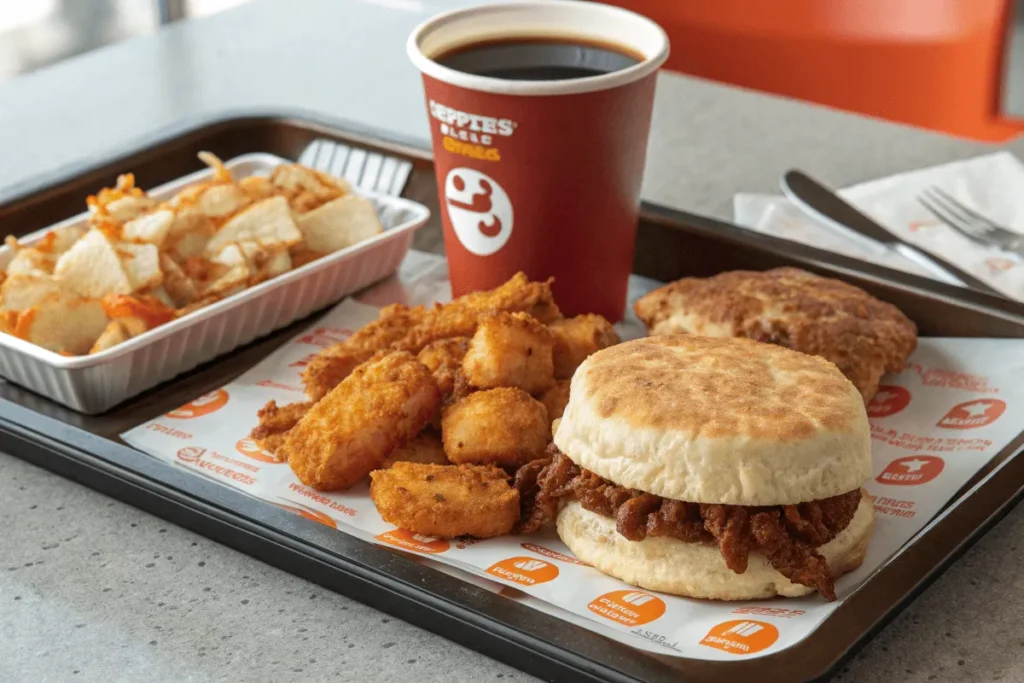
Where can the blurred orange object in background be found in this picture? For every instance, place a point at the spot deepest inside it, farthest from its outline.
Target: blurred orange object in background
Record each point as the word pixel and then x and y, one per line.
pixel 936 64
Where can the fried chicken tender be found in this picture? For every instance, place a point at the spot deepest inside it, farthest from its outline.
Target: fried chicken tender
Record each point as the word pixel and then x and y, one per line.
pixel 350 431
pixel 504 426
pixel 510 350
pixel 556 399
pixel 275 423
pixel 576 338
pixel 337 362
pixel 425 448
pixel 446 500
pixel 404 328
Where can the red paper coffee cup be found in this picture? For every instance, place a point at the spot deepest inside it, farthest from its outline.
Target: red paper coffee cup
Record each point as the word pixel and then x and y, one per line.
pixel 541 176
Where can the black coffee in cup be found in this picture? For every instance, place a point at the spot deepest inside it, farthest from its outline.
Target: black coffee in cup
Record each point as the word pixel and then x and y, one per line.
pixel 538 58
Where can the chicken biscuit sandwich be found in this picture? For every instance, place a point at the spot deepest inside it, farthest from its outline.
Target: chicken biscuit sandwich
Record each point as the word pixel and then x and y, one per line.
pixel 709 468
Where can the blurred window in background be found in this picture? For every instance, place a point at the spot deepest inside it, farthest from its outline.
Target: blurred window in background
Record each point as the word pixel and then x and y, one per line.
pixel 36 33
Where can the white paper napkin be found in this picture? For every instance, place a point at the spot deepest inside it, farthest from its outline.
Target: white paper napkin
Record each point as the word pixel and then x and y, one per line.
pixel 992 185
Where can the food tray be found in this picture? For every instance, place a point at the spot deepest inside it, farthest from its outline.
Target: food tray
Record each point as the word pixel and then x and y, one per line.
pixel 671 244
pixel 94 383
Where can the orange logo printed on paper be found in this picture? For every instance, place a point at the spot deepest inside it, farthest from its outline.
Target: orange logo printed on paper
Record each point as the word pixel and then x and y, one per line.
pixel 973 414
pixel 629 608
pixel 190 453
pixel 204 405
pixel 325 336
pixel 888 401
pixel 741 637
pixel 407 540
pixel 313 515
pixel 911 470
pixel 251 449
pixel 526 571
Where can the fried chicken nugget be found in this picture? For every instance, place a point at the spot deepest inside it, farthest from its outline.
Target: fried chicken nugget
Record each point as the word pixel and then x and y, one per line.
pixel 275 423
pixel 576 338
pixel 444 360
pixel 425 448
pixel 446 500
pixel 504 426
pixel 402 328
pixel 510 350
pixel 556 399
pixel 352 429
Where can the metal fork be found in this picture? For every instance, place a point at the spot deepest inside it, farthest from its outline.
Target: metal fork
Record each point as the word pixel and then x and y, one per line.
pixel 968 222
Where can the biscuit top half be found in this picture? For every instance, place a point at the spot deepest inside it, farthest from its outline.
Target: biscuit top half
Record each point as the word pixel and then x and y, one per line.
pixel 717 420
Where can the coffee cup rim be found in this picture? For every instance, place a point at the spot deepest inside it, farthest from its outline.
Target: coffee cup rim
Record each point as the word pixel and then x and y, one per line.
pixel 593 21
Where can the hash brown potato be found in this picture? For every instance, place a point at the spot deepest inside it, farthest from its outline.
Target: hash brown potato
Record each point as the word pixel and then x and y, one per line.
pixel 510 350
pixel 863 336
pixel 446 500
pixel 504 426
pixel 355 427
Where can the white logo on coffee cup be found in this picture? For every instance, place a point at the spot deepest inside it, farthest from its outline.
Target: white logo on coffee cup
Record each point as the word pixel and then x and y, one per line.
pixel 479 209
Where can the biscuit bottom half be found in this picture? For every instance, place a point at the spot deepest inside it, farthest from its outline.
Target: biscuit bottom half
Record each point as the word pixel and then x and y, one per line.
pixel 699 570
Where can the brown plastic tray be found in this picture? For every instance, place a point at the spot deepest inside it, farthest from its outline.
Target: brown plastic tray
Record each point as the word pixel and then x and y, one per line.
pixel 671 244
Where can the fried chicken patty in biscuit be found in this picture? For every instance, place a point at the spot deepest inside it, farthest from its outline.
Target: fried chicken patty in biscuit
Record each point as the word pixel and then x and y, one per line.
pixel 790 307
pixel 710 468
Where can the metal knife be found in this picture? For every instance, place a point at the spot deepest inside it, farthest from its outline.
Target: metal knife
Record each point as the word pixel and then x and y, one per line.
pixel 821 203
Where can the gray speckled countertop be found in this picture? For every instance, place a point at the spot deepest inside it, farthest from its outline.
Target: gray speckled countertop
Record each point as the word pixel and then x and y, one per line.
pixel 93 590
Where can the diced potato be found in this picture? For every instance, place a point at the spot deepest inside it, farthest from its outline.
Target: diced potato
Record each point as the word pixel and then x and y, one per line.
pixel 133 325
pixel 151 228
pixel 160 293
pixel 126 208
pixel 179 286
pixel 113 335
pixel 189 233
pixel 222 200
pixel 93 268
pixel 63 325
pixel 231 282
pixel 295 178
pixel 30 261
pixel 63 238
pixel 260 260
pixel 257 187
pixel 339 224
pixel 22 291
pixel 267 222
pixel 141 263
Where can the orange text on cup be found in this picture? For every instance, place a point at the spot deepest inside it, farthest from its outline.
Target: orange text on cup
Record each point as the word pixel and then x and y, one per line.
pixel 251 449
pixel 741 637
pixel 204 405
pixel 629 608
pixel 419 543
pixel 973 414
pixel 911 470
pixel 526 571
